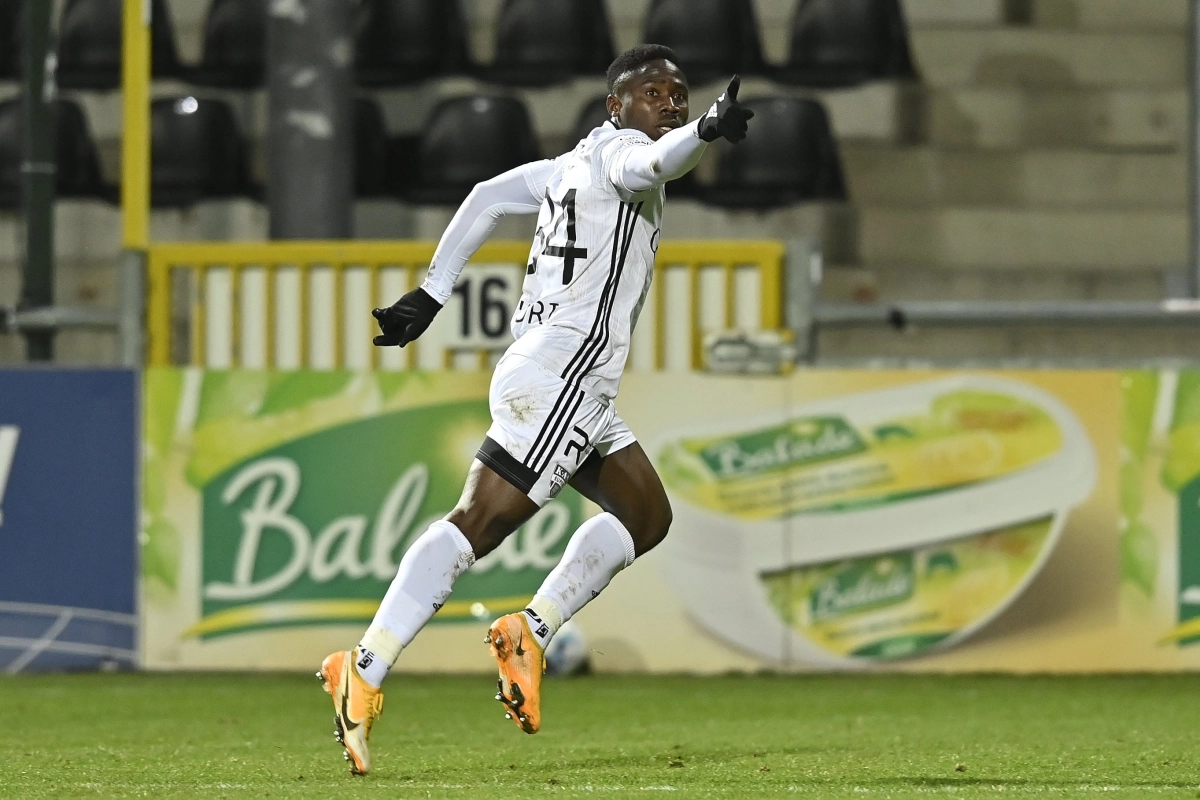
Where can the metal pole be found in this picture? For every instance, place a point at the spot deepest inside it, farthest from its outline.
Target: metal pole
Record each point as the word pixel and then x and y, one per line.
pixel 803 285
pixel 310 143
pixel 1193 276
pixel 38 170
pixel 131 309
pixel 1057 313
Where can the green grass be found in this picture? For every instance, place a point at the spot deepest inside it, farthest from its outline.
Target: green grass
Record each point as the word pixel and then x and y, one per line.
pixel 768 736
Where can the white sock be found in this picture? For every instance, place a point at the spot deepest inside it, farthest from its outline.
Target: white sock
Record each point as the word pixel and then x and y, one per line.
pixel 599 550
pixel 422 583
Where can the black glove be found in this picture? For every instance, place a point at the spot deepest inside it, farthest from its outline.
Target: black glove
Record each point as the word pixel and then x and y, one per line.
pixel 727 117
pixel 406 319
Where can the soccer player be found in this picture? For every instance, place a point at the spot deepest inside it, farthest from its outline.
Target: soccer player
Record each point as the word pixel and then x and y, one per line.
pixel 599 213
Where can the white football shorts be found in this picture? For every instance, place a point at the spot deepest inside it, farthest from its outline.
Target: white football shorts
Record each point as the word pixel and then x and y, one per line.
pixel 543 429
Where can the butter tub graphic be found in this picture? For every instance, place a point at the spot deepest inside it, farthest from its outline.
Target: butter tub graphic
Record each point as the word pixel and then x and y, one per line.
pixel 871 526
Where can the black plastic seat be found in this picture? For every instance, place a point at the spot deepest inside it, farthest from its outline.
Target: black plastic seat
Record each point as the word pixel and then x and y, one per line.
pixel 401 42
pixel 468 140
pixel 370 149
pixel 78 160
pixel 713 38
pixel 235 45
pixel 847 42
pixel 788 157
pixel 196 153
pixel 593 114
pixel 77 163
pixel 10 153
pixel 89 44
pixel 542 42
pixel 10 39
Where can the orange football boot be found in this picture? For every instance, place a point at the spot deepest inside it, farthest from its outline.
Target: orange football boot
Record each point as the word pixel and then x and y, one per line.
pixel 356 706
pixel 521 663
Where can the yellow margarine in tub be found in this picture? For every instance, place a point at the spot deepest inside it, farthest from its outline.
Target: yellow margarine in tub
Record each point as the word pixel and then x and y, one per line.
pixel 871 526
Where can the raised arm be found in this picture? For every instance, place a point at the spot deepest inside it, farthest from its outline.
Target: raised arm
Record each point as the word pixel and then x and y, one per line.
pixel 637 168
pixel 640 167
pixel 518 191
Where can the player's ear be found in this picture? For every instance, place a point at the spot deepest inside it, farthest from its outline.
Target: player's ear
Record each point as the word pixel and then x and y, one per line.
pixel 614 106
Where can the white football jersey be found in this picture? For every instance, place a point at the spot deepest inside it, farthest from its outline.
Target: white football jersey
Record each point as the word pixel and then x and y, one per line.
pixel 590 266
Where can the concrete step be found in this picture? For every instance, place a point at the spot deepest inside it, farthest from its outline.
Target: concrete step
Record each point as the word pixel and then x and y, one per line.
pixel 1092 346
pixel 1149 119
pixel 964 238
pixel 845 284
pixel 1101 15
pixel 1050 58
pixel 1053 179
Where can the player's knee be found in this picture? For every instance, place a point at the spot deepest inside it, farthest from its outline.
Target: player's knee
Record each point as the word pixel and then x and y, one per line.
pixel 653 524
pixel 482 529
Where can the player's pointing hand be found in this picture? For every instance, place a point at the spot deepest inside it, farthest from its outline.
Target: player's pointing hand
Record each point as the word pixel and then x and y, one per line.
pixel 406 319
pixel 727 117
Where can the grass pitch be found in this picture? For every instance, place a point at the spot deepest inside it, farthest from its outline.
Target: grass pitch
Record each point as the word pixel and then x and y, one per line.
pixel 766 736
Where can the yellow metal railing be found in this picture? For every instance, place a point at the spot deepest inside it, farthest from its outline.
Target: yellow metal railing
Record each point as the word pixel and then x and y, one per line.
pixel 198 261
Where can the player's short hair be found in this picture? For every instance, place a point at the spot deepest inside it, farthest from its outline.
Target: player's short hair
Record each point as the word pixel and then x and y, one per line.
pixel 635 57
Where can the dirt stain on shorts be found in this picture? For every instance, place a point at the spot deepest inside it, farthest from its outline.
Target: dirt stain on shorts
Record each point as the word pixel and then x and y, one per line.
pixel 521 408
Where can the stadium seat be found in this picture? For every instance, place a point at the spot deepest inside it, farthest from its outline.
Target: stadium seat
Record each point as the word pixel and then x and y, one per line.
pixel 789 157
pixel 78 166
pixel 542 42
pixel 468 140
pixel 196 153
pixel 713 38
pixel 370 149
pixel 235 45
pixel 847 42
pixel 78 161
pixel 592 115
pixel 89 44
pixel 10 39
pixel 401 42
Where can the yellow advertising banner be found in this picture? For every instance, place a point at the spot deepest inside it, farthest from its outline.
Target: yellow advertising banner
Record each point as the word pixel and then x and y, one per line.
pixel 906 520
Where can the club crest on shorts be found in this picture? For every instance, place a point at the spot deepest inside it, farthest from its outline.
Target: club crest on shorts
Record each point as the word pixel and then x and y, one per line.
pixel 558 480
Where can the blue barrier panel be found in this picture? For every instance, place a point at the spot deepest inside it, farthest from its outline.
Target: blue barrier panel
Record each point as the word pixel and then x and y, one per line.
pixel 68 499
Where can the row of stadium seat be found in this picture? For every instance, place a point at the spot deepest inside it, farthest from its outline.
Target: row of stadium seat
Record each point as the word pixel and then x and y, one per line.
pixel 538 42
pixel 198 153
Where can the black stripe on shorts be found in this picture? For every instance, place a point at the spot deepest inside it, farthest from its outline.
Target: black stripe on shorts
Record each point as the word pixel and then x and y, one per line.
pixel 506 466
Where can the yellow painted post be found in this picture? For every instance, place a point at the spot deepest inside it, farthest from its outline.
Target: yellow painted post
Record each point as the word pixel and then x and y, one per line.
pixel 199 318
pixel 697 330
pixel 729 270
pixel 771 281
pixel 135 136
